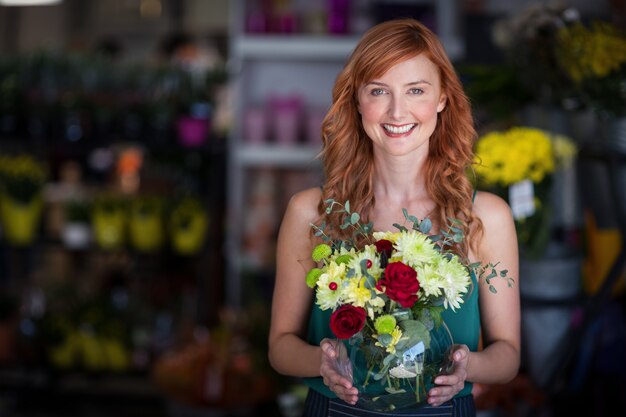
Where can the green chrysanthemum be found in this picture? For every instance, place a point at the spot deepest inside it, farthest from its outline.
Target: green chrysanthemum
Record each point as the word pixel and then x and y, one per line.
pixel 385 324
pixel 343 259
pixel 321 251
pixel 312 276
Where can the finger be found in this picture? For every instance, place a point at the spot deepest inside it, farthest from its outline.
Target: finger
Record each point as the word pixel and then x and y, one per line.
pixel 349 395
pixel 439 396
pixel 329 350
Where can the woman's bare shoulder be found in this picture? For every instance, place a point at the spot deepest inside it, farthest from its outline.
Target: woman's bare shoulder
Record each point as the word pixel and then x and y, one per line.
pixel 498 243
pixel 305 203
pixel 492 209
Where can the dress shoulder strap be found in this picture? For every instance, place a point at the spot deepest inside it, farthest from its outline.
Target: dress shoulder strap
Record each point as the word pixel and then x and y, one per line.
pixel 474 196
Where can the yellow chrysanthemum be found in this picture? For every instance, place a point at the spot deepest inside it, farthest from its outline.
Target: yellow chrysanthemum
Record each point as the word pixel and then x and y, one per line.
pixel 520 153
pixel 591 53
pixel 355 292
pixel 396 334
pixel 390 236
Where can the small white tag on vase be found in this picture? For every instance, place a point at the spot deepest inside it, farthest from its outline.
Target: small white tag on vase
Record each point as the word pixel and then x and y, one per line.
pixel 522 199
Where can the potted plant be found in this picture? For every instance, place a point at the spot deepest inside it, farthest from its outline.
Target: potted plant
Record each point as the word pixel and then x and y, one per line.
pixel 109 219
pixel 22 179
pixel 146 223
pixel 594 58
pixel 520 165
pixel 197 103
pixel 188 226
pixel 76 232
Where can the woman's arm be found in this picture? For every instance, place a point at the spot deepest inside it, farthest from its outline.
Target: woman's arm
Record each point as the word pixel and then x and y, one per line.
pixel 500 313
pixel 289 353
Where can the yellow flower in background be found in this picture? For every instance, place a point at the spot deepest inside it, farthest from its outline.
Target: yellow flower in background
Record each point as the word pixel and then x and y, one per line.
pixel 512 157
pixel 520 153
pixel 593 52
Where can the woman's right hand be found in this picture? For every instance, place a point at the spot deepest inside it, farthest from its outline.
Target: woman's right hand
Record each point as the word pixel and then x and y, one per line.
pixel 336 370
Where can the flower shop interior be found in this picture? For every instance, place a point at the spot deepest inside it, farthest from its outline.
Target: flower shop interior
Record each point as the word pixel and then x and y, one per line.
pixel 148 149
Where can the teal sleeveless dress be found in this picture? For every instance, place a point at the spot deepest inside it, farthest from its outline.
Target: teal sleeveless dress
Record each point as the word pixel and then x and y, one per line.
pixel 464 325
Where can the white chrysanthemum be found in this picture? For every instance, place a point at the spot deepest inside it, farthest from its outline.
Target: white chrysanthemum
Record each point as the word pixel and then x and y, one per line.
pixel 430 280
pixel 368 253
pixel 355 292
pixel 415 248
pixel 455 282
pixel 329 286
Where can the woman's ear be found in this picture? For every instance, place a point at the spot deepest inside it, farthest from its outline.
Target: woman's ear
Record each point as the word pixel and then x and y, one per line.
pixel 442 103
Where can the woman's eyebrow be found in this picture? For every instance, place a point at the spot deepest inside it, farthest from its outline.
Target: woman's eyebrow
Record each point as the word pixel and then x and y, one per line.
pixel 381 84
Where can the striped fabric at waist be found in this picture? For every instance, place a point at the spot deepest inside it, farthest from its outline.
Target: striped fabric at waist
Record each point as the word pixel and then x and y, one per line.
pixel 317 405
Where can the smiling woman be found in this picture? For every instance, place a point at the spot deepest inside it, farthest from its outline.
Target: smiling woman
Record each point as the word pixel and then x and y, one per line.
pixel 398 138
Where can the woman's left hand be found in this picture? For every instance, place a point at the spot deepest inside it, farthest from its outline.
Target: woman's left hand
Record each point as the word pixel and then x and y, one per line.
pixel 448 385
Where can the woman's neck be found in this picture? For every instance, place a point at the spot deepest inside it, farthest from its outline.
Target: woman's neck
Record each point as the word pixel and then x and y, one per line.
pixel 399 184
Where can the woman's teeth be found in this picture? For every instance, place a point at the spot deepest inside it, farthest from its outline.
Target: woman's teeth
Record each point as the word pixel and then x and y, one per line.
pixel 398 129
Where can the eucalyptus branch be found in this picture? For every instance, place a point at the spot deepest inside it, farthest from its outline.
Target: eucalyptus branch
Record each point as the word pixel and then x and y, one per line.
pixel 350 220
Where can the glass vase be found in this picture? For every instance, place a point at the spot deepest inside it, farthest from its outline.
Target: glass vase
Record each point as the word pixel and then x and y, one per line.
pixel 392 381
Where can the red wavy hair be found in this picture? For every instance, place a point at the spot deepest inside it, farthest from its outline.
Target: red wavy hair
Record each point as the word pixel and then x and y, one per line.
pixel 347 153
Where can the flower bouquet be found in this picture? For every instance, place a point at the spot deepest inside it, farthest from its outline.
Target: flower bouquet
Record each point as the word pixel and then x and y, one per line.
pixel 387 297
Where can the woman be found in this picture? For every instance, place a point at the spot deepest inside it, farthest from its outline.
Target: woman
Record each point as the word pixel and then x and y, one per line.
pixel 399 134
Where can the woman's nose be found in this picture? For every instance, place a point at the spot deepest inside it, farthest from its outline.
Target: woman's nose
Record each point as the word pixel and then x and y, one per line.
pixel 397 107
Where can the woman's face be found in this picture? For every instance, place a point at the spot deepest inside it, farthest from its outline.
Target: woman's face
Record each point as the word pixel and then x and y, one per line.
pixel 399 110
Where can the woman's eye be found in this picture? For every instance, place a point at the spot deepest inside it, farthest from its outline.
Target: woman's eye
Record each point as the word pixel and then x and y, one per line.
pixel 377 92
pixel 416 91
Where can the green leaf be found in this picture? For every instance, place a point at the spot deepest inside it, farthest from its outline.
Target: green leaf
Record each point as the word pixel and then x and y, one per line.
pixel 425 226
pixel 457 230
pixel 400 227
pixel 354 218
pixel 347 206
pixel 406 213
pixel 385 339
pixel 416 332
pixel 455 221
pixel 435 238
pixel 492 289
pixel 392 390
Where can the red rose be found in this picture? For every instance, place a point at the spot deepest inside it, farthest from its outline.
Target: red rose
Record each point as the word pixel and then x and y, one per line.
pixel 400 284
pixel 347 321
pixel 384 246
